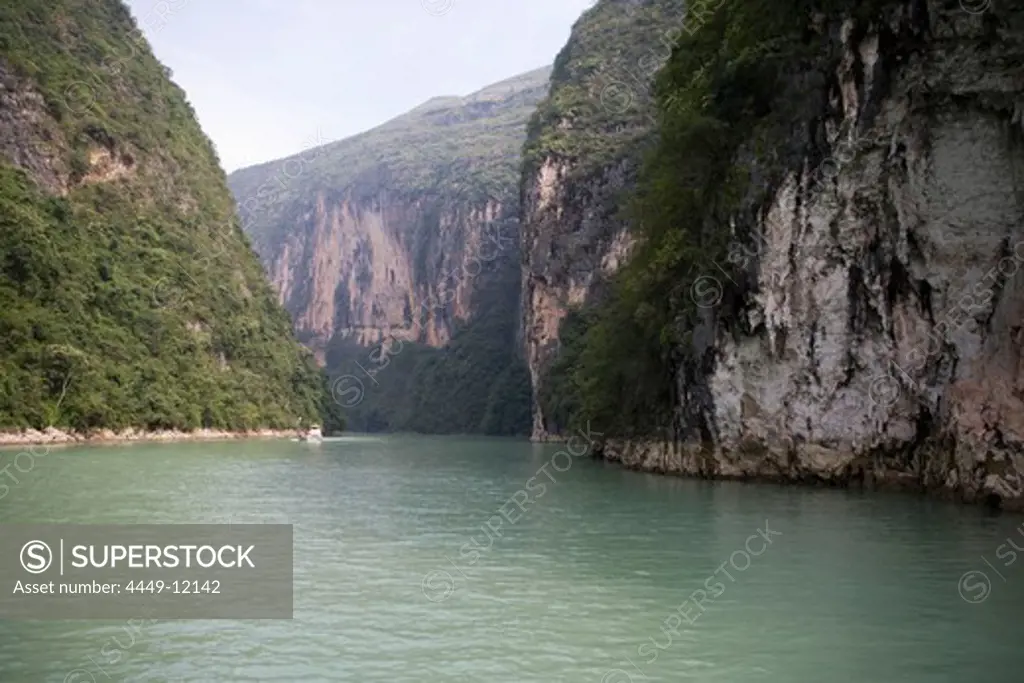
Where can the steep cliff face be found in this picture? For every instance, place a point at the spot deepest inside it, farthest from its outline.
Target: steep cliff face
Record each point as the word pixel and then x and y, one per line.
pixel 366 267
pixel 364 236
pixel 584 147
pixel 868 326
pixel 129 296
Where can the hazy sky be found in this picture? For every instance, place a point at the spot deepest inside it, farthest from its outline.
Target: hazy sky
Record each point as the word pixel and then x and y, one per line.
pixel 265 76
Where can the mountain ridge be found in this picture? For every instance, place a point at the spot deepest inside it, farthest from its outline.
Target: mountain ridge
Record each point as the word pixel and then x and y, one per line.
pixel 395 135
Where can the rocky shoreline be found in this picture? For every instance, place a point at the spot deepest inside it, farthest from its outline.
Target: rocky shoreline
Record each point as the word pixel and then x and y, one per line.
pixel 930 473
pixel 53 436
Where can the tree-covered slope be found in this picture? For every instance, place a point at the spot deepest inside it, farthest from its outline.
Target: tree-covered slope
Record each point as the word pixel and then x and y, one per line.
pixel 599 108
pixel 129 295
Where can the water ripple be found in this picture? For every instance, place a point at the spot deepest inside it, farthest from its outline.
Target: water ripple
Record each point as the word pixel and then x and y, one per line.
pixel 585 582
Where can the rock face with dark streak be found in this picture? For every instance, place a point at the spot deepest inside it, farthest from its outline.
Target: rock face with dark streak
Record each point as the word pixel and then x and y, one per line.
pixel 383 234
pixel 878 331
pixel 584 148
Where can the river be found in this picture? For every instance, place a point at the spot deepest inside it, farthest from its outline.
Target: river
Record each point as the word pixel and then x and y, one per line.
pixel 588 573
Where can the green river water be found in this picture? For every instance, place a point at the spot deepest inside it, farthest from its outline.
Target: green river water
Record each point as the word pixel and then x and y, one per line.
pixel 587 583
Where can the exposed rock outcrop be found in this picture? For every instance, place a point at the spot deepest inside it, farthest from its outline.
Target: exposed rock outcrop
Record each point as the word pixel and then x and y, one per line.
pixel 363 269
pixel 585 146
pixel 870 332
pixel 29 137
pixel 383 234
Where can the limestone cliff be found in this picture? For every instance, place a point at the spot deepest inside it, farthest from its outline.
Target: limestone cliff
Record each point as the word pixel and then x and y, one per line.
pixel 585 142
pixel 865 326
pixel 364 236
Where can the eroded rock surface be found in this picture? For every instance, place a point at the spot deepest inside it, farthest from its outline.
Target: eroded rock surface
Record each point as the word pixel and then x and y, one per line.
pixel 873 330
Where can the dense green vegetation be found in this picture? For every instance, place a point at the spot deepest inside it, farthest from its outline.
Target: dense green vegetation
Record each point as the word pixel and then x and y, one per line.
pixel 726 96
pixel 131 299
pixel 477 384
pixel 600 107
pixel 462 148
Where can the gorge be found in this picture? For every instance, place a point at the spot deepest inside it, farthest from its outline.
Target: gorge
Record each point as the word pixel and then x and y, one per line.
pixel 627 349
pixel 783 249
pixel 400 246
pixel 787 254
